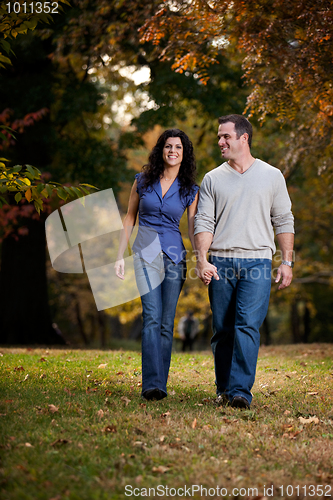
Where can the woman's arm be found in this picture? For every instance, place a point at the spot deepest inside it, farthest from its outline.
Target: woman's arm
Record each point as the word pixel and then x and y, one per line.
pixel 128 225
pixel 191 211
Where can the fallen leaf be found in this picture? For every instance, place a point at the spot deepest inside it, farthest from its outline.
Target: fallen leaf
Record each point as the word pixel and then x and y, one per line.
pixel 26 377
pixel 287 412
pixel 68 391
pixel 292 435
pixel 312 393
pixel 165 415
pixel 53 409
pixel 139 444
pixel 59 441
pixel 42 360
pixel 126 400
pixel 100 414
pixel 310 420
pixel 108 392
pixel 18 369
pixel 42 375
pixel 110 428
pixel 186 449
pixel 139 431
pixel 103 365
pixel 194 423
pixel 21 467
pixel 161 469
pixel 161 439
pixel 120 373
pixel 28 445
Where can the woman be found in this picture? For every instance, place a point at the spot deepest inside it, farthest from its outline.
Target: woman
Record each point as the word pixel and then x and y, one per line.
pixel 160 193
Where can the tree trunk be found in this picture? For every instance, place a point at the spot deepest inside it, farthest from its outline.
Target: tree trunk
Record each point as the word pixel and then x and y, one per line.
pixel 25 315
pixel 102 328
pixel 80 320
pixel 266 332
pixel 295 322
pixel 307 324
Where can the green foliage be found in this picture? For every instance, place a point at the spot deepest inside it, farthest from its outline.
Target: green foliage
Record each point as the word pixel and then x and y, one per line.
pixel 26 182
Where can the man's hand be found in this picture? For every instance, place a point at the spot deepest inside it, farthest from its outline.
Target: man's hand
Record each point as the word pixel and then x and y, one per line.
pixel 286 273
pixel 206 271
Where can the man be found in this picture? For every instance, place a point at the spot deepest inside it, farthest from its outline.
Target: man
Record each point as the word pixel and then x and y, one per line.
pixel 240 203
pixel 188 328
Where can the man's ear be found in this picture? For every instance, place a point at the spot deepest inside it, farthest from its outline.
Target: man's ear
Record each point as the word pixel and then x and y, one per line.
pixel 245 138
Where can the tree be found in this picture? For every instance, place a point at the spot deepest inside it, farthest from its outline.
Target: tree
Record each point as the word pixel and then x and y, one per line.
pixel 34 82
pixel 286 54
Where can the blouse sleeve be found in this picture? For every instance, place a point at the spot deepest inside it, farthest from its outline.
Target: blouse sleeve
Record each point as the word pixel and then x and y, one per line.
pixel 192 195
pixel 139 183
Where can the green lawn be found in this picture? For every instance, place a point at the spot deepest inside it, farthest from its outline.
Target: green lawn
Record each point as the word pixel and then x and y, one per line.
pixel 73 426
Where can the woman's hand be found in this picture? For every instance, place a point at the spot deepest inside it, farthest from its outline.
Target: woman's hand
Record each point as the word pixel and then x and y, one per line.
pixel 119 268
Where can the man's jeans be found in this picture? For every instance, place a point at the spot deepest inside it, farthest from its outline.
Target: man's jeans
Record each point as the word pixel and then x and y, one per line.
pixel 239 302
pixel 158 313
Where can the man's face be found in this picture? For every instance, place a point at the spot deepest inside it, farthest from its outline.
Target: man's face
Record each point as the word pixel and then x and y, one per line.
pixel 230 146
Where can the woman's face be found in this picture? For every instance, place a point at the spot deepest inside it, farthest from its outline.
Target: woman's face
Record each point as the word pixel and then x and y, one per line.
pixel 172 152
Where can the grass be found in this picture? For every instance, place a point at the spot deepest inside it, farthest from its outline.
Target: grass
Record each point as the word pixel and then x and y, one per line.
pixel 73 426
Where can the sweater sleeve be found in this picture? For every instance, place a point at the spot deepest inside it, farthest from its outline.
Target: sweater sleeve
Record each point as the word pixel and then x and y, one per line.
pixel 204 220
pixel 281 215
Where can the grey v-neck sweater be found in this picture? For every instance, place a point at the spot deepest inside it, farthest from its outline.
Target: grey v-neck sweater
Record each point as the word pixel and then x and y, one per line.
pixel 241 210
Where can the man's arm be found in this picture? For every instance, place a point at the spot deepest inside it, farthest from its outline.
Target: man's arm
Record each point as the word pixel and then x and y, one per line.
pixel 286 244
pixel 204 269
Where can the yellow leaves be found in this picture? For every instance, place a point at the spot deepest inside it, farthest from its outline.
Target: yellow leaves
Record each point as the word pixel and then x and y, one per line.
pixel 194 423
pixel 28 194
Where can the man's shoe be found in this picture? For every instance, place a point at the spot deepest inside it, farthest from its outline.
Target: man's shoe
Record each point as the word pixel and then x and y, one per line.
pixel 240 402
pixel 153 394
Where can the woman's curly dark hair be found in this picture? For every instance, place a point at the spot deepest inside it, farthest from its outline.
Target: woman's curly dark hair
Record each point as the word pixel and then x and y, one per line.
pixel 155 167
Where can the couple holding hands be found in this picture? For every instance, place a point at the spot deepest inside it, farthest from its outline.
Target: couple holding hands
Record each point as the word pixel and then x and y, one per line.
pixel 232 218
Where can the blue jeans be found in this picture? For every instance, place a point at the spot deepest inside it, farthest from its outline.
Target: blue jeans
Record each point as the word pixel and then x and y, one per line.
pixel 239 302
pixel 158 313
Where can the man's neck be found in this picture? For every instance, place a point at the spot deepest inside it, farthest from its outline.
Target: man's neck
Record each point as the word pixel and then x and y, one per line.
pixel 242 164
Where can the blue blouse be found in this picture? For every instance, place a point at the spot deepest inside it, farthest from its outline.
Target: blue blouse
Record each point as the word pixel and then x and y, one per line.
pixel 159 220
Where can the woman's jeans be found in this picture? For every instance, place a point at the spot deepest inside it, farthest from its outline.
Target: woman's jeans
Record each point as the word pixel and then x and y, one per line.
pixel 164 280
pixel 239 302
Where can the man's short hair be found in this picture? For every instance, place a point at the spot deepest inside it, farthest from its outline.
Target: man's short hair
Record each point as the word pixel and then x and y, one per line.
pixel 242 125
